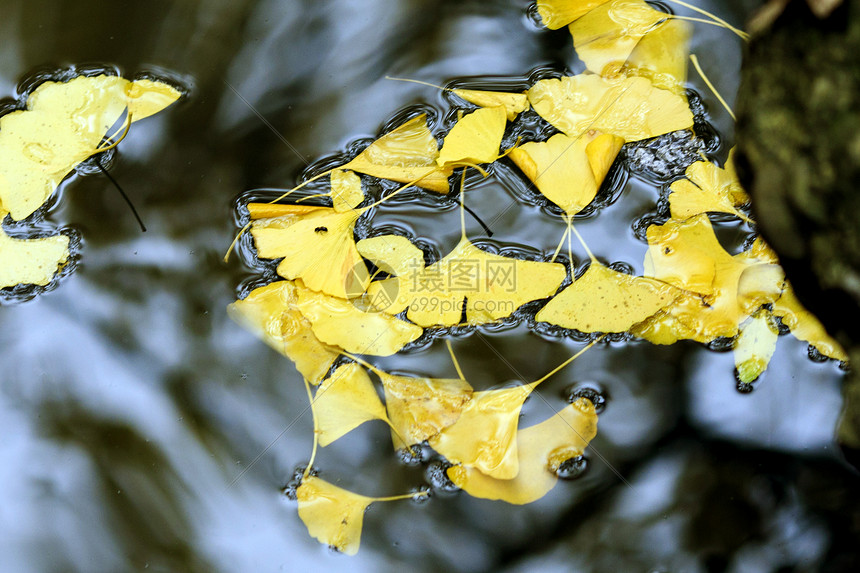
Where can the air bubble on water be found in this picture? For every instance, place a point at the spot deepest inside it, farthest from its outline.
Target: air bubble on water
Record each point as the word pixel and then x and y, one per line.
pixel 572 468
pixel 591 391
pixel 437 475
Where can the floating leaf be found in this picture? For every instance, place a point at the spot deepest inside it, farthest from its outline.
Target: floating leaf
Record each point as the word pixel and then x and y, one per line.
pixel 406 154
pixel 398 257
pixel 568 170
pixel 333 515
pixel 346 193
pixel 631 108
pixel 604 300
pixel 662 55
pixel 755 346
pixel 339 322
pixel 513 103
pixel 558 13
pixel 419 408
pixel 31 261
pixel 475 138
pixel 316 243
pixel 270 313
pixel 805 326
pixel 707 188
pixel 541 449
pixel 344 401
pixel 64 124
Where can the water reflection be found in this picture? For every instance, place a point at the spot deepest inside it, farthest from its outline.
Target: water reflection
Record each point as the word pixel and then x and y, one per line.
pixel 143 428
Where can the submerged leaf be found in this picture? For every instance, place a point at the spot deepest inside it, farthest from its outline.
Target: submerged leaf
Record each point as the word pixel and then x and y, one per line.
pixel 64 124
pixel 475 138
pixel 405 154
pixel 541 449
pixel 31 261
pixel 513 103
pixel 420 408
pixel 316 243
pixel 344 401
pixel 568 170
pixel 755 346
pixel 333 515
pixel 604 300
pixel 631 108
pixel 271 313
pixel 484 436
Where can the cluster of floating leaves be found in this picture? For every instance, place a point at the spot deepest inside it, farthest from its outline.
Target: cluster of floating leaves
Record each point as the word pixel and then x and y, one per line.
pixel 339 300
pixel 56 127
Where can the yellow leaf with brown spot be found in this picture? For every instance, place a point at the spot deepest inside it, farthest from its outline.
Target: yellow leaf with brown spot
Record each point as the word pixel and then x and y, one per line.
pixel 541 449
pixel 317 246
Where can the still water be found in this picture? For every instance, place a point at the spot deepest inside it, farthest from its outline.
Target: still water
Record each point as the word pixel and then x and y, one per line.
pixel 143 429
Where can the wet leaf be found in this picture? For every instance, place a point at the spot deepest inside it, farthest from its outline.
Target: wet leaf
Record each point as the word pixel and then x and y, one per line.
pixel 64 124
pixel 604 300
pixel 31 261
pixel 419 408
pixel 484 436
pixel 398 257
pixel 541 449
pixel 707 188
pixel 333 515
pixel 513 103
pixel 316 243
pixel 568 170
pixel 344 401
pixel 475 138
pixel 271 313
pixel 662 55
pixel 341 323
pixel 631 108
pixel 405 154
pixel 754 346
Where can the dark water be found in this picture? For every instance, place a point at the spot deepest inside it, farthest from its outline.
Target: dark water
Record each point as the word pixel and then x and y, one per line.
pixel 142 429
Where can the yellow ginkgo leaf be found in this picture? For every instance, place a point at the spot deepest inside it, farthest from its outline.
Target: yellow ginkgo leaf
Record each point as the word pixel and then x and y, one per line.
pixel 541 449
pixel 664 328
pixel 605 37
pixel 406 154
pixel 31 261
pixel 754 346
pixel 484 436
pixel 631 108
pixel 475 138
pixel 558 13
pixel 513 103
pixel 568 170
pixel 805 326
pixel 346 193
pixel 398 257
pixel 270 313
pixel 419 408
pixel 64 124
pixel 603 300
pixel 333 515
pixel 344 401
pixel 316 243
pixel 707 188
pixel 489 286
pixel 341 323
pixel 662 56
